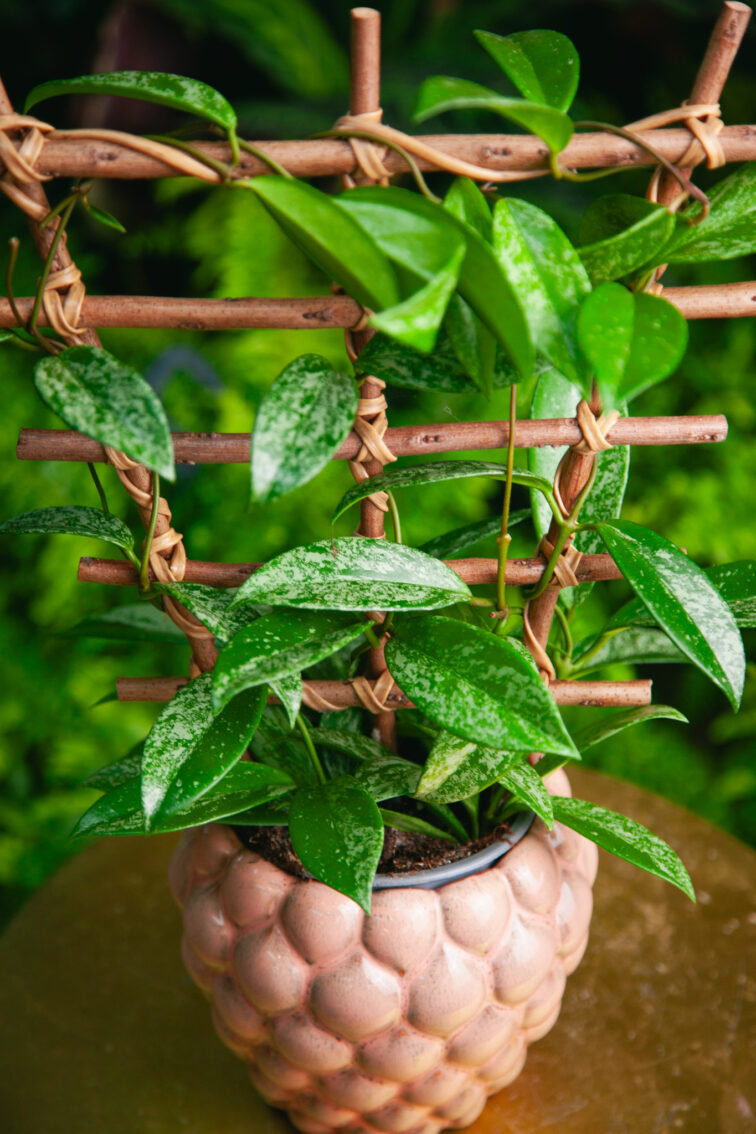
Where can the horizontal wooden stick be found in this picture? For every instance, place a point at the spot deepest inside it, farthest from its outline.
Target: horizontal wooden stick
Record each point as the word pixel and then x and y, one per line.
pixel 67 155
pixel 403 440
pixel 342 695
pixel 324 312
pixel 520 572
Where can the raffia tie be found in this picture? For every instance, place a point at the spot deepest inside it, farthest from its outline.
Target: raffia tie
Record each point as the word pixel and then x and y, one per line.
pixel 20 161
pixel 537 651
pixel 370 423
pixel 369 155
pixel 167 552
pixel 372 695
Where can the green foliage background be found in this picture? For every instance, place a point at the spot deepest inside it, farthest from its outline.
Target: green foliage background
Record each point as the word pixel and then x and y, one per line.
pixel 284 67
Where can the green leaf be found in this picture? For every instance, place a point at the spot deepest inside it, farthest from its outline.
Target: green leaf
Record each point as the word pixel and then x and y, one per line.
pixel 400 365
pixel 138 622
pixel 605 326
pixel 188 736
pixel 416 321
pixel 527 787
pixel 279 644
pixel 102 215
pixel 660 337
pixel 413 825
pixel 625 838
pixel 617 722
pixel 441 93
pixel 457 769
pixel 543 65
pixel 188 95
pixel 301 421
pixel 275 745
pixel 682 600
pixel 728 231
pixel 543 267
pixel 477 685
pixel 736 583
pixel 620 233
pixel 421 235
pixel 466 202
pixel 120 811
pixel 474 346
pixel 95 393
pixel 335 242
pixel 383 774
pixel 434 473
pixel 352 573
pixel 449 544
pixel 337 831
pixel 634 646
pixel 119 772
pixel 222 745
pixel 70 520
pixel 211 605
pixel 288 689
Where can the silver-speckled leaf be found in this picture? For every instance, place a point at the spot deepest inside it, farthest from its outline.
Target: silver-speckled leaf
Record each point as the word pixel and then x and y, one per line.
pixel 288 688
pixel 476 685
pixel 281 643
pixel 117 773
pixel 682 599
pixel 71 520
pixel 527 787
pixel 189 724
pixel 95 393
pixel 449 544
pixel 625 838
pixel 383 774
pixel 211 605
pixel 433 473
pixel 636 645
pixel 730 228
pixel 352 573
pixel 736 583
pixel 456 769
pixel 243 786
pixel 301 421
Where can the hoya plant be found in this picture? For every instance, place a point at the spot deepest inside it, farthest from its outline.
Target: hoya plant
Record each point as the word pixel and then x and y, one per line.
pixel 478 290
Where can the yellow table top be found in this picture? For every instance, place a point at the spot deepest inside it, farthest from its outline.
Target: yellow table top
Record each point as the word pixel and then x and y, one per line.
pixel 101 1032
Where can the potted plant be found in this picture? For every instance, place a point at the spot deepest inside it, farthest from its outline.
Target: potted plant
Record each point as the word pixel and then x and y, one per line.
pixel 383 925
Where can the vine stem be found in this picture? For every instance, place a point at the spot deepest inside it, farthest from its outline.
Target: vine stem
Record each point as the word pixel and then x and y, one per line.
pixel 567 528
pixel 144 569
pixel 98 486
pixel 47 267
pixel 505 538
pixel 311 751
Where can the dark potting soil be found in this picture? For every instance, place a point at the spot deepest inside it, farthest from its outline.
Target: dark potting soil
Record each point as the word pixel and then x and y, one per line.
pixel 402 852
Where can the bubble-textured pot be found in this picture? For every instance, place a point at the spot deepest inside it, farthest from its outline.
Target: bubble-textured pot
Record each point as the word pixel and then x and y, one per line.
pixel 402 1022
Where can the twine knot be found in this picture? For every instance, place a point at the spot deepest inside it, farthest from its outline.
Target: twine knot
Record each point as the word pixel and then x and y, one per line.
pixel 20 161
pixel 368 156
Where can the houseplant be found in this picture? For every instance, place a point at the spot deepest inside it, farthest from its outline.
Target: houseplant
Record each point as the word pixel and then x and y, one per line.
pixel 463 294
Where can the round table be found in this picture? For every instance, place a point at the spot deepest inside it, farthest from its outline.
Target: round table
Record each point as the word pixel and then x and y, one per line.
pixel 101 1031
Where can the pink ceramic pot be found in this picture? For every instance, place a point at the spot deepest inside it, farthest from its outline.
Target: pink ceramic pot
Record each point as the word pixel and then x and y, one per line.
pixel 401 1022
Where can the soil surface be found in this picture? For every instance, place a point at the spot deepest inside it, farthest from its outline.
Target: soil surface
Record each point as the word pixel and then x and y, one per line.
pixel 402 852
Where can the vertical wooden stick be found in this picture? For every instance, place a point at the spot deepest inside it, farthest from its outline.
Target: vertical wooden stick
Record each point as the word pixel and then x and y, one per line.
pixel 725 39
pixel 365 98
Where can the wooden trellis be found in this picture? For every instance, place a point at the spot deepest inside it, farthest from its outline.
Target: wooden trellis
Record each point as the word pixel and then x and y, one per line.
pixel 105 154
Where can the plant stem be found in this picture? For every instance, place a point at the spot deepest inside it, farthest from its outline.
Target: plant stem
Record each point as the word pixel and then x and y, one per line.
pixel 98 486
pixel 564 626
pixel 144 570
pixel 505 538
pixel 394 511
pixel 314 758
pixel 372 637
pixel 262 156
pixel 47 268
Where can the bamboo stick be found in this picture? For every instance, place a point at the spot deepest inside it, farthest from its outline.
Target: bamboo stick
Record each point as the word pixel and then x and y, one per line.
pixel 341 694
pixel 67 155
pixel 520 572
pixel 326 312
pixel 403 440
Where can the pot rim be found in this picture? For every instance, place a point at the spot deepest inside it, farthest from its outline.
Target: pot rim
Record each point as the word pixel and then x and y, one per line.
pixel 438 876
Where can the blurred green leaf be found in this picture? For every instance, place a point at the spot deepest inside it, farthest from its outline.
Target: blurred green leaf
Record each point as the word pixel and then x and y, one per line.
pixel 138 622
pixel 543 65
